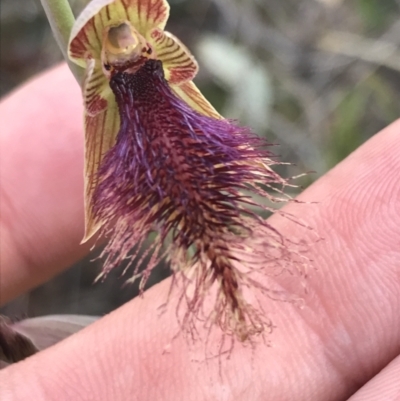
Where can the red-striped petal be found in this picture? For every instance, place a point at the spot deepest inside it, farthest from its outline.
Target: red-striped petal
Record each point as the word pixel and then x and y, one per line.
pixel 178 63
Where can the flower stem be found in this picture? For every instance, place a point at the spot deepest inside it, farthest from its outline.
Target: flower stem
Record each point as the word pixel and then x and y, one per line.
pixel 61 20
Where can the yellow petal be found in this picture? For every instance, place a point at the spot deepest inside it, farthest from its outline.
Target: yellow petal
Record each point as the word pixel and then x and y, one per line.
pixel 189 93
pixel 101 127
pixel 100 134
pixel 145 15
pixel 87 33
pixel 178 63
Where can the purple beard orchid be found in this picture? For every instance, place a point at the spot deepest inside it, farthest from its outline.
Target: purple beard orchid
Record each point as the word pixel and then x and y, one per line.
pixel 160 160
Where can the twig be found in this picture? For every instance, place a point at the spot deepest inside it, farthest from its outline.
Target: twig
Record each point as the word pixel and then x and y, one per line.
pixel 375 51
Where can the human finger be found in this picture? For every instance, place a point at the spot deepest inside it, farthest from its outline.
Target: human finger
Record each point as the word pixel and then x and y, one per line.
pixel 41 194
pixel 385 386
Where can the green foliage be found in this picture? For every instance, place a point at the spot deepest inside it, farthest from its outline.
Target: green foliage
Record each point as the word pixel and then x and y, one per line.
pixel 361 113
pixel 376 13
pixel 347 135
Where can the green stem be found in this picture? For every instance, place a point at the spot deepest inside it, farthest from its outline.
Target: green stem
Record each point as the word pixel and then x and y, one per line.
pixel 61 20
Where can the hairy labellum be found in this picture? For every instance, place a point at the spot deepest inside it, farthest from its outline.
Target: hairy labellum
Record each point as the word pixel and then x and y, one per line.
pixel 166 177
pixel 181 175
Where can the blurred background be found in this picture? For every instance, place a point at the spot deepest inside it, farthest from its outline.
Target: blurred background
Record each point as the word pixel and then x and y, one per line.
pixel 316 77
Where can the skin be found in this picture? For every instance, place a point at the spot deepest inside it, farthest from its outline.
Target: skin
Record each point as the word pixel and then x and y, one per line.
pixel 344 342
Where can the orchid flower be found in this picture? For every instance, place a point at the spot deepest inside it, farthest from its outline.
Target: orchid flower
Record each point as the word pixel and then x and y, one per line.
pixel 161 161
